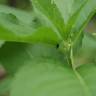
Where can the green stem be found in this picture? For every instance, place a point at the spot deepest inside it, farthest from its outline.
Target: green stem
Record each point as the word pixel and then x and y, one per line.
pixel 72 58
pixel 67 49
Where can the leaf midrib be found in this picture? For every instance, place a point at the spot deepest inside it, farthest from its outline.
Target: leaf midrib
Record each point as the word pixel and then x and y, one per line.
pixel 83 83
pixel 50 22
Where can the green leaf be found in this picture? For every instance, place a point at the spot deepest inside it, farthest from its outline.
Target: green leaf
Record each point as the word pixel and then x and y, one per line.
pixel 45 72
pixel 13 29
pixel 51 78
pixel 76 13
pixel 23 16
pixel 87 53
pixel 48 11
pixel 68 7
pixel 14 55
pixel 83 17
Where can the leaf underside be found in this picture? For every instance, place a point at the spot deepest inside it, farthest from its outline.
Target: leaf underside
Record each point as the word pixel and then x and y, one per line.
pixel 45 72
pixel 51 78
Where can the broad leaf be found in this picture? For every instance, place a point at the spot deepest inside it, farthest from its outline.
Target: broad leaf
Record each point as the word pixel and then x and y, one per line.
pixel 68 7
pixel 23 16
pixel 75 14
pixel 48 10
pixel 83 17
pixel 44 72
pixel 13 28
pixel 52 78
pixel 14 55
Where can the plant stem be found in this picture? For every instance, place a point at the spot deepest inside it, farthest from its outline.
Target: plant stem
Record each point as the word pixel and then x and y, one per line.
pixel 67 49
pixel 72 57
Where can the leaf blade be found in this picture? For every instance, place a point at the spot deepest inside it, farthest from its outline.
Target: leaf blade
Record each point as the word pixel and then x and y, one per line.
pixel 12 29
pixel 50 11
pixel 52 79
